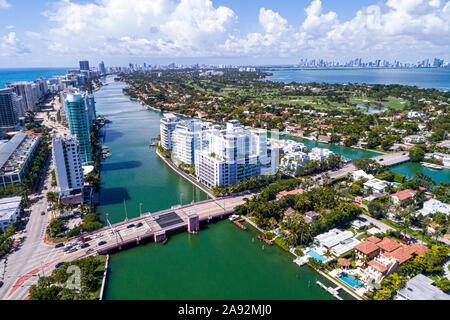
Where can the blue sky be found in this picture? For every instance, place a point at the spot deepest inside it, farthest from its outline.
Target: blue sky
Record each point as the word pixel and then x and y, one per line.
pixel 37 33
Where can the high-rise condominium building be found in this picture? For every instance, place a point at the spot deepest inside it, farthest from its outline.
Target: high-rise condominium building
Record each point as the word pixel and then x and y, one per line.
pixel 167 126
pixel 84 65
pixel 27 90
pixel 233 154
pixel 77 117
pixel 11 109
pixel 186 139
pixel 68 167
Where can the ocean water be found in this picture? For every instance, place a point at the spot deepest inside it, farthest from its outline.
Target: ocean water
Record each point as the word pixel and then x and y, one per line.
pixel 28 74
pixel 438 78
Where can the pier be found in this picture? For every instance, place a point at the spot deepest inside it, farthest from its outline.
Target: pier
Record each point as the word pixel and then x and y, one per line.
pixel 239 224
pixel 333 291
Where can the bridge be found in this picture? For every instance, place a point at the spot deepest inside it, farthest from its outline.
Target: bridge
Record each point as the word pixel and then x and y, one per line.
pixel 147 227
pixel 390 159
pixel 156 226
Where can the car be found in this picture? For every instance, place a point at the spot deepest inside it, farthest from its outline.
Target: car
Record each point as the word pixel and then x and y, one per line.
pixel 89 250
pixel 73 250
pixel 84 245
pixel 139 225
pixel 381 159
pixel 148 231
pixel 131 225
pixel 67 249
pixel 59 264
pixel 42 213
pixel 101 243
pixel 85 239
pixel 59 245
pixel 1 283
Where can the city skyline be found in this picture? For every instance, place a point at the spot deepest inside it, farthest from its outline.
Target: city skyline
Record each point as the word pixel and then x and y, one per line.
pixel 53 33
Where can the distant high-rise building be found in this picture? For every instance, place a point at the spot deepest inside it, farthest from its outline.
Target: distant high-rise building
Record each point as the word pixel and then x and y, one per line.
pixel 9 116
pixel 75 107
pixel 68 167
pixel 25 90
pixel 101 67
pixel 437 63
pixel 84 65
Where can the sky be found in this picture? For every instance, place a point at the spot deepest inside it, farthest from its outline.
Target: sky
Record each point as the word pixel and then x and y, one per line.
pixel 59 33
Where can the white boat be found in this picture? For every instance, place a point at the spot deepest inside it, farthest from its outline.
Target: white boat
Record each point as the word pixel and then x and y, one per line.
pixel 233 217
pixel 431 165
pixel 300 260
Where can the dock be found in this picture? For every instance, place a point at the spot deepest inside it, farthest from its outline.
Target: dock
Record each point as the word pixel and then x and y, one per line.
pixel 240 225
pixel 333 291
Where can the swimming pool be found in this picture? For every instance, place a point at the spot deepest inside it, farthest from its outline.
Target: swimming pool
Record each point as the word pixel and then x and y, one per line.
pixel 350 280
pixel 316 256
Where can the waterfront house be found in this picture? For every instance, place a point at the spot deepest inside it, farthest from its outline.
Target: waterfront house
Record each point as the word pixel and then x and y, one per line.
pixel 367 249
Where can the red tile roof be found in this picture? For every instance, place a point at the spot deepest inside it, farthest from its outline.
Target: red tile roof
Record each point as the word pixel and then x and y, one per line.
pixel 343 262
pixel 378 266
pixel 285 193
pixel 401 254
pixel 419 249
pixel 373 239
pixel 367 247
pixel 388 244
pixel 404 194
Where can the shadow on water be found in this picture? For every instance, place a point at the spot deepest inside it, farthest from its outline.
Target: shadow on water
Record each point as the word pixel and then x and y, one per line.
pixel 112 135
pixel 113 196
pixel 121 165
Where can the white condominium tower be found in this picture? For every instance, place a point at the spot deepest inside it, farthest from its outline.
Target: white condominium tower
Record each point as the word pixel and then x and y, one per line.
pixel 167 126
pixel 233 154
pixel 185 140
pixel 69 171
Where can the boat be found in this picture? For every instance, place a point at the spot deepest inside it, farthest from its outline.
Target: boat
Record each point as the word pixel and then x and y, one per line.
pixel 431 165
pixel 233 217
pixel 300 260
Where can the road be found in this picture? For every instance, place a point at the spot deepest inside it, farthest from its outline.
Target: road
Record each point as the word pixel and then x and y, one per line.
pixel 31 250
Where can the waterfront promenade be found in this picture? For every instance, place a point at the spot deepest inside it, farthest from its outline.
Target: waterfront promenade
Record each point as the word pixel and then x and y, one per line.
pixel 186 176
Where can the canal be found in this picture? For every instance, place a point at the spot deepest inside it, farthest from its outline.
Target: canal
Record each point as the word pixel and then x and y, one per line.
pixel 408 168
pixel 221 262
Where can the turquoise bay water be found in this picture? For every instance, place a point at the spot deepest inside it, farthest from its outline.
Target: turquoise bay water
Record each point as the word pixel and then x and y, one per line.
pixel 438 78
pixel 28 74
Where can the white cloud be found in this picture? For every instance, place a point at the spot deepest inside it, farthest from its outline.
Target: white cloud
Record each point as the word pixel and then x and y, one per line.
pixel 10 27
pixel 140 27
pixel 402 27
pixel 4 4
pixel 11 46
pixel 196 28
